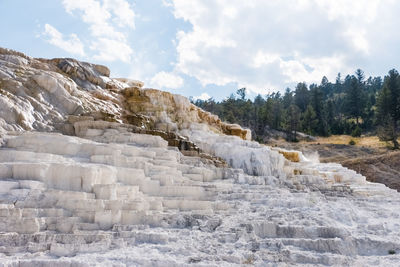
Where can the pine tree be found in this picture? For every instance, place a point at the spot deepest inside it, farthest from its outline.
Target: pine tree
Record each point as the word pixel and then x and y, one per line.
pixel 326 87
pixel 317 102
pixel 309 120
pixel 388 104
pixel 292 121
pixel 324 109
pixel 360 76
pixel 276 111
pixel 242 93
pixel 302 96
pixel 355 98
pixel 259 114
pixel 287 98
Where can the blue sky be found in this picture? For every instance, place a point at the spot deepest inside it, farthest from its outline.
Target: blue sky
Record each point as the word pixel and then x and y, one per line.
pixel 206 48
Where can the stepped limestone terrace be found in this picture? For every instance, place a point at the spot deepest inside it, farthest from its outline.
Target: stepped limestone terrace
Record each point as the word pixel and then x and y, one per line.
pixel 100 171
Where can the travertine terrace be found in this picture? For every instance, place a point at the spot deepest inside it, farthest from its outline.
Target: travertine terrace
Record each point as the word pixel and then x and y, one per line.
pixel 101 171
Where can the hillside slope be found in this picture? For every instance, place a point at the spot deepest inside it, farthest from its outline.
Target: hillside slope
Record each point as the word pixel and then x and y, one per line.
pixel 369 156
pixel 383 169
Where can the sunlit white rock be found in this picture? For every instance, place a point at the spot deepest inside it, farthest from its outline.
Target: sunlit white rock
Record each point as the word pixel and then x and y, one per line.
pixel 67 189
pixel 114 197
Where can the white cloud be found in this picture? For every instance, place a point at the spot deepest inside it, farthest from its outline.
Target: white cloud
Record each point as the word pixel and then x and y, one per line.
pixel 263 58
pixel 123 13
pixel 167 3
pixel 72 44
pixel 146 70
pixel 166 80
pixel 93 12
pixel 108 22
pixel 273 44
pixel 110 50
pixel 203 96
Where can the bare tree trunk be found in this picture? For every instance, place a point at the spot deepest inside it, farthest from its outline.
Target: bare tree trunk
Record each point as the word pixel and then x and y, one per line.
pixel 395 135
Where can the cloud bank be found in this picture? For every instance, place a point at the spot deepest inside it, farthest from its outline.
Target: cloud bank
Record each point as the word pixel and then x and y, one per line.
pixel 71 45
pixel 166 80
pixel 272 44
pixel 109 22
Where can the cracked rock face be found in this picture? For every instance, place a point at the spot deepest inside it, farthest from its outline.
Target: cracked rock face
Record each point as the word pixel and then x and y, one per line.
pixel 39 94
pixel 111 194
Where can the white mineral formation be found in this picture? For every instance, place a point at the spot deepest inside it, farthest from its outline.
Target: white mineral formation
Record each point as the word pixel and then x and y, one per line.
pixel 114 193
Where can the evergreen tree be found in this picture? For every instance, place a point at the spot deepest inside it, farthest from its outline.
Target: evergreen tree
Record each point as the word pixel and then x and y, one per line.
pixel 345 107
pixel 309 120
pixel 330 112
pixel 355 98
pixel 302 96
pixel 276 112
pixel 242 93
pixel 228 109
pixel 360 76
pixel 292 121
pixel 259 114
pixel 326 87
pixel 287 98
pixel 338 87
pixel 389 108
pixel 317 102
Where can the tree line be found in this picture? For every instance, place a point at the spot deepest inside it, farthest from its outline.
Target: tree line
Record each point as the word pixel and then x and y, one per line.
pixel 352 105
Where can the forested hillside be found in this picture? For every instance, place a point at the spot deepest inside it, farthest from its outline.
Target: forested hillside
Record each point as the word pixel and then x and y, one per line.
pixel 350 105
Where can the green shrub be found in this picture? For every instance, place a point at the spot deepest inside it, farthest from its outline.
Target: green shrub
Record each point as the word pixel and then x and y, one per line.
pixel 352 142
pixel 391 252
pixel 356 132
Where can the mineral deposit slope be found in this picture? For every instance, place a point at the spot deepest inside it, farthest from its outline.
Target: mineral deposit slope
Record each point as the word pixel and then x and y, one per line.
pixel 96 171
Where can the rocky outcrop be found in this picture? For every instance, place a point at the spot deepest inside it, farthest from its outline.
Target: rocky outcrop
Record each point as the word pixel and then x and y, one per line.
pixel 39 94
pixel 88 127
pixel 45 95
pixel 86 75
pixel 171 112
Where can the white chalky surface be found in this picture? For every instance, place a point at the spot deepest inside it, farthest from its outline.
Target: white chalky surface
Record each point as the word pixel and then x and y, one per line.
pixel 67 201
pixel 115 198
